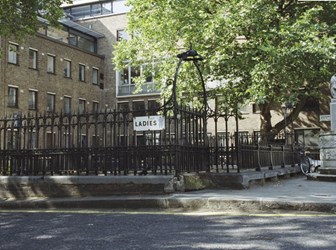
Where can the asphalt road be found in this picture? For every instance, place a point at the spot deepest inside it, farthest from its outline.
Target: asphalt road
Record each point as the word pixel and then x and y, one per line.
pixel 158 230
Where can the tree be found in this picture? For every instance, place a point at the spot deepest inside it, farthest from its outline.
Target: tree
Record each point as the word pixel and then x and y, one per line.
pixel 261 51
pixel 20 18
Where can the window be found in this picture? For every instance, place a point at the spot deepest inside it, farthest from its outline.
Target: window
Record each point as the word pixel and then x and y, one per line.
pixel 95 73
pixel 51 64
pixel 13 53
pixel 107 8
pixel 122 35
pixel 32 100
pixel 12 97
pixel 126 80
pixel 95 107
pixel 72 39
pixel 98 9
pixel 50 102
pixel 139 108
pixel 81 72
pixel 81 106
pixel 135 72
pixel 123 106
pixel 67 104
pixel 32 59
pixel 67 68
pixel 82 41
pixel 153 107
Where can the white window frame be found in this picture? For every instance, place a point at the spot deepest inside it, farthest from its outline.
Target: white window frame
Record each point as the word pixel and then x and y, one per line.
pixel 67 106
pixel 95 75
pixel 51 60
pixel 13 98
pixel 81 106
pixel 33 58
pixel 67 68
pixel 13 53
pixel 51 108
pixel 32 103
pixel 81 72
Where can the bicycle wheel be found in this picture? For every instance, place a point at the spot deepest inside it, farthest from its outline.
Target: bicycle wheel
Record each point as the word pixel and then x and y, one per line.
pixel 305 165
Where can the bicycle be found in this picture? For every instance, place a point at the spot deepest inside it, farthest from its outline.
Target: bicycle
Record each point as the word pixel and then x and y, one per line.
pixel 307 164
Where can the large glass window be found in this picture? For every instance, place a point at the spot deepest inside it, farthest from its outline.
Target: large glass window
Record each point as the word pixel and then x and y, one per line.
pixel 72 39
pixel 32 100
pixel 82 41
pixel 13 53
pixel 86 44
pixel 81 11
pixel 51 102
pixel 122 35
pixel 97 9
pixel 67 104
pixel 107 8
pixel 32 59
pixel 126 80
pixel 12 97
pixel 119 6
pixel 67 68
pixel 51 64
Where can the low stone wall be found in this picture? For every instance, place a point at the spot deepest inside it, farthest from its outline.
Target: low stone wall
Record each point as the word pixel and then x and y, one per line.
pixel 21 187
pixel 242 180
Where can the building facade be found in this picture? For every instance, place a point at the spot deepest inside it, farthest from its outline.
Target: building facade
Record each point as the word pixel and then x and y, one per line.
pixel 45 73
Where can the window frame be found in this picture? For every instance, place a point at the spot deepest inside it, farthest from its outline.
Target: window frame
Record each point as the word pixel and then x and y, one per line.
pixel 81 106
pixel 33 58
pixel 10 102
pixel 53 106
pixel 67 68
pixel 95 80
pixel 81 72
pixel 53 66
pixel 13 55
pixel 95 107
pixel 67 105
pixel 35 99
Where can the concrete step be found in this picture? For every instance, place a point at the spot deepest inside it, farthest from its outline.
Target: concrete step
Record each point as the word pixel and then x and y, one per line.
pixel 322 177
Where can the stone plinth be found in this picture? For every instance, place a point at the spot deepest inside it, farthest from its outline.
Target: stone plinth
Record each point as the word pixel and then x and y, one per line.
pixel 328 153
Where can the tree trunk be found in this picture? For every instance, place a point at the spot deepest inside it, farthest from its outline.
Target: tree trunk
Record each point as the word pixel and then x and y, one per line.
pixel 266 130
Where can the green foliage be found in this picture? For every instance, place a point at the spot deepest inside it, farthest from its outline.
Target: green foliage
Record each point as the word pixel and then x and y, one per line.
pixel 20 18
pixel 262 51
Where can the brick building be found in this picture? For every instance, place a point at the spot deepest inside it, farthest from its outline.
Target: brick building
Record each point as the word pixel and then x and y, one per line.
pixel 45 73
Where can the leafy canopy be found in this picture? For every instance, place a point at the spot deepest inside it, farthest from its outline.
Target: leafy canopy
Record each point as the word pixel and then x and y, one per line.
pixel 20 18
pixel 258 50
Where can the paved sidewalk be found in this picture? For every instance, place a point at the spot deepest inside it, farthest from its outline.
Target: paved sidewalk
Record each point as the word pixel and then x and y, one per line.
pixel 296 193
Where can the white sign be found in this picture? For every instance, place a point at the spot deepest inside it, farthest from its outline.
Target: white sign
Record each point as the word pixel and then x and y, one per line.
pixel 145 123
pixel 325 118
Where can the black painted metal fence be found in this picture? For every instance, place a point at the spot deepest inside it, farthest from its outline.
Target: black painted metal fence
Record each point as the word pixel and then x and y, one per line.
pixel 102 143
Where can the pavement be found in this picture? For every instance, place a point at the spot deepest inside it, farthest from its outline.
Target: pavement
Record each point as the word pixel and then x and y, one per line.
pixel 289 194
